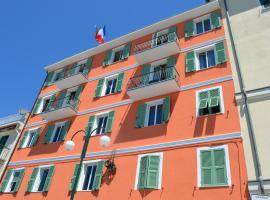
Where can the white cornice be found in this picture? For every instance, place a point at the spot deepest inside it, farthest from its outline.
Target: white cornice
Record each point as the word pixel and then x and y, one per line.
pixel 190 14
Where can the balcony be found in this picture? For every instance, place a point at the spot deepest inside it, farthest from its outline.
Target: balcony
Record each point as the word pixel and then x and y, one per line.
pixel 157 48
pixel 60 108
pixel 4 154
pixel 70 78
pixel 152 84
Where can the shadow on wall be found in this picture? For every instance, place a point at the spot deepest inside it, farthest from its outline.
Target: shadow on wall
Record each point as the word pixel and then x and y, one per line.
pixel 127 127
pixel 204 125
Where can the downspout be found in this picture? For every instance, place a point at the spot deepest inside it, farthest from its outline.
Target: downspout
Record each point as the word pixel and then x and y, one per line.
pixel 258 169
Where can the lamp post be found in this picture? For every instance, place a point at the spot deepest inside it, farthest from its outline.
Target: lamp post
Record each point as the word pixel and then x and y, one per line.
pixel 69 145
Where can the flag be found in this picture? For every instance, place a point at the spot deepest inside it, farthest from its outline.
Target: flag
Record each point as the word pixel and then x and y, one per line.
pixel 100 34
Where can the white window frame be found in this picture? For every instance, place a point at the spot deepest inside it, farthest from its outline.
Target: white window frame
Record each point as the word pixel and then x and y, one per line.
pixel 10 179
pixel 42 102
pixel 59 124
pixel 221 101
pixel 114 51
pixel 97 116
pixel 28 136
pixel 227 163
pixel 106 79
pixel 69 91
pixel 149 104
pixel 201 19
pixel 82 174
pixel 160 154
pixel 202 50
pixel 37 181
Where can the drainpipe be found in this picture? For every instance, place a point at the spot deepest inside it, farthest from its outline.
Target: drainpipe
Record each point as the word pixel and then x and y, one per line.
pixel 258 169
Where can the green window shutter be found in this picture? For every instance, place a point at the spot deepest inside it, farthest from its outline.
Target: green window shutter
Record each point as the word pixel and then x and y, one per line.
pixel 48 134
pixel 119 84
pixel 145 74
pixel 189 29
pixel 171 67
pixel 154 39
pixel 32 179
pixel 214 97
pixel 140 116
pixel 72 183
pixel 49 179
pixel 63 72
pixel 215 19
pixel 73 69
pixel 37 105
pixel 48 78
pixel 99 87
pixel 220 52
pixel 37 134
pixel 23 139
pixel 190 61
pixel 203 99
pixel 109 125
pixel 153 172
pixel 107 58
pixel 90 124
pixel 166 109
pixel 142 181
pixel 88 66
pixel 16 188
pixel 61 99
pixel 65 130
pixel 172 34
pixel 77 96
pixel 51 103
pixel 220 167
pixel 98 175
pixel 6 180
pixel 126 51
pixel 206 167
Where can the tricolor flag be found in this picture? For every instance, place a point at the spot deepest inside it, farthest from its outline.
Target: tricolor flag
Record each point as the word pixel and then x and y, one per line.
pixel 100 35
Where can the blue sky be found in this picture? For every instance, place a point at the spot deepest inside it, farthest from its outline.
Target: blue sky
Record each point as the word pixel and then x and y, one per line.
pixel 35 33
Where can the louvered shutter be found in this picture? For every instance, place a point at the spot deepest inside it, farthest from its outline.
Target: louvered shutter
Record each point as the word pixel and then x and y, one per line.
pixel 206 168
pixel 90 124
pixel 65 130
pixel 142 181
pixel 61 99
pixel 87 67
pixel 49 178
pixel 51 103
pixel 170 67
pixel 120 80
pixel 32 179
pixel 37 105
pixel 145 74
pixel 172 34
pixel 220 167
pixel 214 97
pixel 16 188
pixel 110 121
pixel 72 183
pixel 153 172
pixel 99 87
pixel 140 116
pixel 107 58
pixel 190 61
pixel 73 69
pixel 36 136
pixel 126 51
pixel 166 109
pixel 63 72
pixel 48 134
pixel 203 99
pixel 6 180
pixel 23 139
pixel 189 29
pixel 215 19
pixel 48 79
pixel 77 96
pixel 220 52
pixel 154 39
pixel 98 175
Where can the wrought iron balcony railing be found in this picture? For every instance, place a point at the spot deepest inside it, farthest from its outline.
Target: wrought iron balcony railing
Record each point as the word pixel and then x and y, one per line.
pixel 163 74
pixel 4 152
pixel 68 101
pixel 155 42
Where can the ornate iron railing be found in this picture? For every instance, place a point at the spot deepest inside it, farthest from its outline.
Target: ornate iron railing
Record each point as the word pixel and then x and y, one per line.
pixel 80 69
pixel 155 42
pixel 157 76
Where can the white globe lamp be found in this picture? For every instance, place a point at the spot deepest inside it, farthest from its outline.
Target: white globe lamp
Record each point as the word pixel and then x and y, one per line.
pixel 69 145
pixel 104 141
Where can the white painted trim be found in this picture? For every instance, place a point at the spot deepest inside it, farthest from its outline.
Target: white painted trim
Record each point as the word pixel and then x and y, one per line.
pixel 148 105
pixel 37 180
pixel 10 178
pixel 152 147
pixel 160 154
pixel 227 163
pixel 222 109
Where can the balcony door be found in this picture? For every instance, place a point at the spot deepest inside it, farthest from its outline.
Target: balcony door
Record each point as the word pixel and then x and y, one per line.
pixel 158 73
pixel 3 141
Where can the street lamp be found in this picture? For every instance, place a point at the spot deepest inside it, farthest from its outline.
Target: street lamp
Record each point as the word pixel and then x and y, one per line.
pixel 69 146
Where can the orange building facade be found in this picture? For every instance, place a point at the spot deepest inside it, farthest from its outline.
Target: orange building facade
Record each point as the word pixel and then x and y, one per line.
pixel 163 94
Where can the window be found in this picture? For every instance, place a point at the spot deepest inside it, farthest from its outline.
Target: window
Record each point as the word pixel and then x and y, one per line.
pixel 110 85
pixel 12 180
pixel 209 101
pixel 90 177
pixel 40 179
pixel 30 138
pixel 154 113
pixel 149 171
pixel 3 142
pixel 45 104
pixel 101 123
pixel 203 26
pixel 118 55
pixel 213 166
pixel 158 71
pixel 56 136
pixel 57 75
pixel 207 59
pixel 265 3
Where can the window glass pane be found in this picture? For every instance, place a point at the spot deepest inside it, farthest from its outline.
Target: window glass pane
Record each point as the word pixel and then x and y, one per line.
pixel 109 86
pixel 117 55
pixel 159 114
pixel 92 178
pixel 211 58
pixel 199 27
pixel 89 177
pixel 43 177
pixel 202 60
pixel 161 39
pixel 113 85
pixel 101 124
pixel 45 105
pixel 57 134
pixel 30 139
pixel 207 25
pixel 151 119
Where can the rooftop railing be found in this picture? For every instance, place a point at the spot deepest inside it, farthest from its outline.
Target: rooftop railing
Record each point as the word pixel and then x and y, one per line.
pixel 155 42
pixel 155 77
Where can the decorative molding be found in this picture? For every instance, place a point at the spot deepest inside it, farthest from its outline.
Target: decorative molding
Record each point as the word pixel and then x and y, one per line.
pixel 138 149
pixel 36 124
